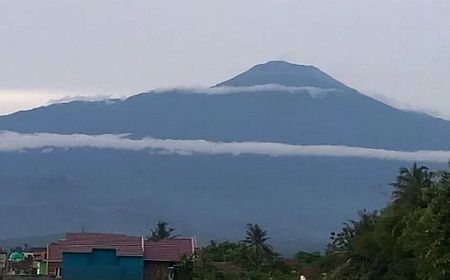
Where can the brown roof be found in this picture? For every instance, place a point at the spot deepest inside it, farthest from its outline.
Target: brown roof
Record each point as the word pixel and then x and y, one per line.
pixel 168 249
pixel 86 242
pixel 164 250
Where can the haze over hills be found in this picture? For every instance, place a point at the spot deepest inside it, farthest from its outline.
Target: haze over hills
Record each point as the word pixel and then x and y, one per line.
pixel 300 199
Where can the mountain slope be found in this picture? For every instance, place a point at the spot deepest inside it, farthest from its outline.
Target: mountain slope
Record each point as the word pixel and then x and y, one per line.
pixel 298 199
pixel 319 115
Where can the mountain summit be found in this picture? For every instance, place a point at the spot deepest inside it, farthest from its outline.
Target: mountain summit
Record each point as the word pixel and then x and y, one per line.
pixel 286 74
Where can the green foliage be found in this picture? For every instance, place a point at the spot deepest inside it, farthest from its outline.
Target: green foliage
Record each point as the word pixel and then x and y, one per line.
pixel 259 254
pixel 186 267
pixel 305 258
pixel 162 231
pixel 250 259
pixel 409 239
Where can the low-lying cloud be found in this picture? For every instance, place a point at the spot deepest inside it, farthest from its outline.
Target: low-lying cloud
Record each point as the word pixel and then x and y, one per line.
pixel 312 91
pixel 15 142
pixel 85 98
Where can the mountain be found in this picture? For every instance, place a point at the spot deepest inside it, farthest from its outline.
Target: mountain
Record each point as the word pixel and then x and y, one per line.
pixel 284 73
pixel 334 116
pixel 299 199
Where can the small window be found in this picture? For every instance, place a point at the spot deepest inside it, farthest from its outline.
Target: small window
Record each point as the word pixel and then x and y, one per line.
pixel 58 273
pixel 171 274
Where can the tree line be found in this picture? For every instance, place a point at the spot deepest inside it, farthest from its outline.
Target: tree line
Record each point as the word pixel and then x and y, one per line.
pixel 408 239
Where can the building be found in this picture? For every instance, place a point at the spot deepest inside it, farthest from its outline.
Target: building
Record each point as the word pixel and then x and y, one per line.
pixel 97 256
pixel 3 261
pixel 91 256
pixel 20 264
pixel 161 257
pixel 39 256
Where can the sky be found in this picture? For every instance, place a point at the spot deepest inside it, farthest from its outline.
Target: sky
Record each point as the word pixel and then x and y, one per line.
pixel 397 51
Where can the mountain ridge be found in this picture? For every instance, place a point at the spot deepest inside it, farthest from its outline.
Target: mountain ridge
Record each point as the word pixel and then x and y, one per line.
pixel 346 117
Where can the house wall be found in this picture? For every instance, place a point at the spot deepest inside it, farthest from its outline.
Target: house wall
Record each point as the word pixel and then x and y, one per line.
pixel 3 258
pixel 41 268
pixel 51 269
pixel 24 267
pixel 101 265
pixel 156 270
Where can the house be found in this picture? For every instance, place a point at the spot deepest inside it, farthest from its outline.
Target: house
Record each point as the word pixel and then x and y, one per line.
pixel 39 255
pixel 3 261
pixel 19 263
pixel 93 256
pixel 98 256
pixel 161 257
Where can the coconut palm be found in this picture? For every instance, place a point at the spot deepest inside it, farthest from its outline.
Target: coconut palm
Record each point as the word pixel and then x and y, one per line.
pixel 162 231
pixel 413 187
pixel 255 240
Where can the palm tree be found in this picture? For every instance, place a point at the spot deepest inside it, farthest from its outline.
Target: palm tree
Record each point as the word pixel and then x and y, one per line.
pixel 343 242
pixel 162 231
pixel 413 187
pixel 256 241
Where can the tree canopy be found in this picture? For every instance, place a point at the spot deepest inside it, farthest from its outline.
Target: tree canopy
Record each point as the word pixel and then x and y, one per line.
pixel 162 231
pixel 409 239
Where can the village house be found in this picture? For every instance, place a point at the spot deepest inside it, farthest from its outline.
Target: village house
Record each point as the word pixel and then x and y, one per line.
pixel 97 256
pixel 161 257
pixel 3 261
pixel 39 256
pixel 31 261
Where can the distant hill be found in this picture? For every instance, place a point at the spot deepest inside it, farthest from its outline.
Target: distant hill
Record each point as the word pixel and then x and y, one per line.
pixel 299 199
pixel 29 241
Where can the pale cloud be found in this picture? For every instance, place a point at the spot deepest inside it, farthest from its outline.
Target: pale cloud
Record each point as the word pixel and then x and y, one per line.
pixel 406 106
pixel 312 91
pixel 15 142
pixel 85 98
pixel 14 100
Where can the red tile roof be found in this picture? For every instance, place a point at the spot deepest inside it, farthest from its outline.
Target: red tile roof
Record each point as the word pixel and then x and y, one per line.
pixel 168 249
pixel 86 242
pixel 164 250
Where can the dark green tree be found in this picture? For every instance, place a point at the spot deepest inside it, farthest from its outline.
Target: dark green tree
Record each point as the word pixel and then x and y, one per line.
pixel 407 240
pixel 162 231
pixel 256 241
pixel 185 268
pixel 413 187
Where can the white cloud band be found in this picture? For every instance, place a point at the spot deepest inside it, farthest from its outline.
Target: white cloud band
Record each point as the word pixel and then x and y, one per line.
pixel 313 91
pixel 224 90
pixel 12 142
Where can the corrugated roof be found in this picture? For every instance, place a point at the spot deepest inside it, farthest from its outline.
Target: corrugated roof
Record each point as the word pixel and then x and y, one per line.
pixel 168 249
pixel 86 242
pixel 163 250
